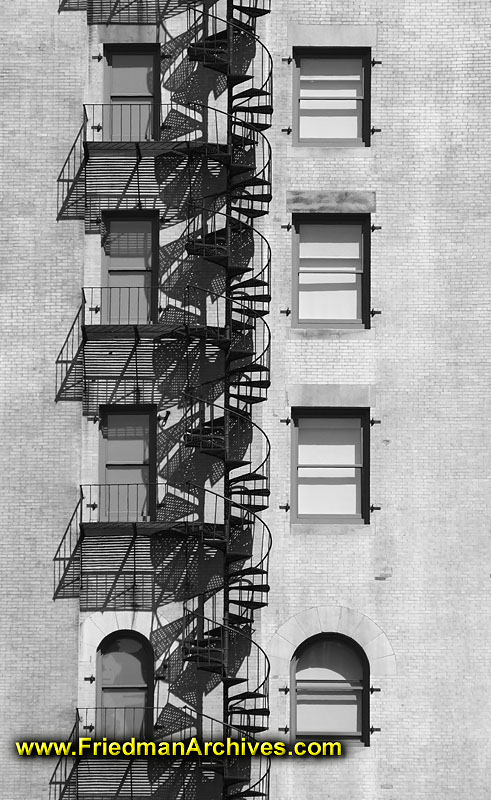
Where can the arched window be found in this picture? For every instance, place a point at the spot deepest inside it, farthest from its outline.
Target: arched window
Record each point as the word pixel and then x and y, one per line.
pixel 124 686
pixel 330 689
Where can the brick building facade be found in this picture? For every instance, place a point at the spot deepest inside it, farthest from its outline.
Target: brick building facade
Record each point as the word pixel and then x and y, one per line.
pixel 397 569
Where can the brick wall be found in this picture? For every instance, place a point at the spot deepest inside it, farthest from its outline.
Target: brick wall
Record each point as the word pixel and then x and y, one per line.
pixel 419 570
pixel 42 77
pixel 427 359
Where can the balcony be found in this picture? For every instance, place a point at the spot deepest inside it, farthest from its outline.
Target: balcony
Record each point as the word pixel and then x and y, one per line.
pixel 133 777
pixel 137 156
pixel 129 546
pixel 127 12
pixel 137 546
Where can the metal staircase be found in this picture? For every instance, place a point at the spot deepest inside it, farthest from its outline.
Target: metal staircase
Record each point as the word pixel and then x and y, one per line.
pixel 194 539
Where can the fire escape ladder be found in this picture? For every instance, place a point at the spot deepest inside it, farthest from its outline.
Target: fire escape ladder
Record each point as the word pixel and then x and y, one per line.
pixel 214 168
pixel 131 549
pixel 67 558
pixel 71 180
pixel 69 364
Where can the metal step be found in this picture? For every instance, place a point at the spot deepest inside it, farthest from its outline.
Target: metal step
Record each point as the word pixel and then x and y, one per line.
pixel 251 92
pixel 234 355
pixel 254 492
pixel 264 298
pixel 251 11
pixel 258 198
pixel 242 573
pixel 247 696
pixel 249 283
pixel 233 681
pixel 251 604
pixel 249 398
pixel 251 476
pixel 239 138
pixel 251 181
pixel 252 384
pixel 238 619
pixel 249 368
pixel 266 109
pixel 249 212
pixel 252 587
pixel 251 712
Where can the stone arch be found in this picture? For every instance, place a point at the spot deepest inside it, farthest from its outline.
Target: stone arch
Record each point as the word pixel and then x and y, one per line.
pixel 332 619
pixel 93 629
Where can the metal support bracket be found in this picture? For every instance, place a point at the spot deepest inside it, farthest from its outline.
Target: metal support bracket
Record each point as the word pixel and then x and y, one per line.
pixel 375 508
pixel 285 508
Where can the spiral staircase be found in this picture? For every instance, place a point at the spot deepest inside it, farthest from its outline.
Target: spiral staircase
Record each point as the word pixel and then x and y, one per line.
pixel 201 542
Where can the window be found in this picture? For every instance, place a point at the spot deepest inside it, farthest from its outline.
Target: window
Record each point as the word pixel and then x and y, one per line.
pixel 332 96
pixel 330 465
pixel 132 93
pixel 124 678
pixel 130 262
pixel 330 676
pixel 331 258
pixel 128 463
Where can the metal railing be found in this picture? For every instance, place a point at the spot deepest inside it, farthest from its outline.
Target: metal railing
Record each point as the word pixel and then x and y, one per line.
pixel 67 558
pixel 207 642
pixel 246 54
pixel 122 122
pixel 65 772
pixel 129 12
pixel 71 187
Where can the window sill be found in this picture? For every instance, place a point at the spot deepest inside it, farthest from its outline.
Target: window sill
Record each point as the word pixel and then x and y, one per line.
pixel 327 332
pixel 306 527
pixel 327 151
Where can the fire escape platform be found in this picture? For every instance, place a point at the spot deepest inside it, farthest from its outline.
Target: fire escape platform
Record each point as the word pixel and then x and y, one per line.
pixel 98 333
pixel 151 149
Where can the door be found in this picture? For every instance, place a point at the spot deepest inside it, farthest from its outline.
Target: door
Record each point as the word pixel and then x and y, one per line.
pixel 124 687
pixel 127 465
pixel 131 92
pixel 129 260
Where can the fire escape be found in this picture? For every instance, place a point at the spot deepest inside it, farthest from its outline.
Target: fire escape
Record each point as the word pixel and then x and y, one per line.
pixel 195 345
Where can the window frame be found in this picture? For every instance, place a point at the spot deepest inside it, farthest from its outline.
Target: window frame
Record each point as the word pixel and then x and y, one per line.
pixel 363 414
pixel 364 220
pixel 151 411
pixel 138 48
pixel 154 218
pixel 365 54
pixel 365 689
pixel 149 654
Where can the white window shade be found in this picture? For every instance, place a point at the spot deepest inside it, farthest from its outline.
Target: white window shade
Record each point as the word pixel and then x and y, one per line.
pixel 330 271
pixel 328 683
pixel 331 99
pixel 329 466
pixel 130 244
pixel 132 75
